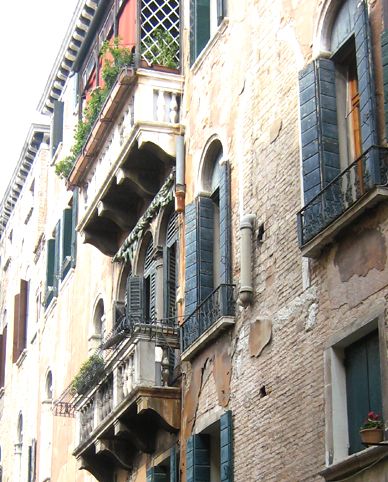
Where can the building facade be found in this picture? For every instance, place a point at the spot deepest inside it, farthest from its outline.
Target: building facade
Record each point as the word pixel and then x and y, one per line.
pixel 193 250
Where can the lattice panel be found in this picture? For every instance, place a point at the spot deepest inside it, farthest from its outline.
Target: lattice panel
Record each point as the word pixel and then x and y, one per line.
pixel 159 16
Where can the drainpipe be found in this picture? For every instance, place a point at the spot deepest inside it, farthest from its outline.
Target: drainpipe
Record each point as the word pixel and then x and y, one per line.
pixel 246 289
pixel 180 187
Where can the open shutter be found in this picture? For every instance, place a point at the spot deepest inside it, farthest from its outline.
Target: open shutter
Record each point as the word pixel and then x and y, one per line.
pixel 57 126
pixel 191 256
pixel 365 75
pixel 152 299
pixel 57 257
pixel 50 271
pixel 3 356
pixel 23 300
pixel 32 461
pixel 198 458
pixel 65 256
pixel 205 214
pixel 170 272
pixel 200 27
pixel 16 328
pixel 173 465
pixel 225 224
pixel 135 309
pixel 319 128
pixel 226 443
pixel 156 474
pixel 150 475
pixel 220 11
pixel 384 54
pixel 363 385
pixel 74 214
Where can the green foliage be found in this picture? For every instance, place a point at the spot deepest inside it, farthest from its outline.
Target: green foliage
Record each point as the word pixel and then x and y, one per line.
pixel 89 374
pixel 161 49
pixel 64 167
pixel 121 57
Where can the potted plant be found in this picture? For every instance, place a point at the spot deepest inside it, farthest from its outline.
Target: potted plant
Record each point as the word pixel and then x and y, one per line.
pixel 89 374
pixel 161 50
pixel 372 430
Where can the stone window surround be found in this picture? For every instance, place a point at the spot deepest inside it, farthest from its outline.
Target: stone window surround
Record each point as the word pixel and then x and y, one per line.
pixel 335 386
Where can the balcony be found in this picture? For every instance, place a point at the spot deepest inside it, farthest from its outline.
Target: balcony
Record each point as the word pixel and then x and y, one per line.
pixel 358 188
pixel 133 403
pixel 214 314
pixel 128 155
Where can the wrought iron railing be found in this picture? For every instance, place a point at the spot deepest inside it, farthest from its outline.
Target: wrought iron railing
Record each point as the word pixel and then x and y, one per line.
pixel 368 171
pixel 221 302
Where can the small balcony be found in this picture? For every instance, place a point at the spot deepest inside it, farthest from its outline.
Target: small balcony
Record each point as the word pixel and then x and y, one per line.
pixel 215 314
pixel 132 403
pixel 359 187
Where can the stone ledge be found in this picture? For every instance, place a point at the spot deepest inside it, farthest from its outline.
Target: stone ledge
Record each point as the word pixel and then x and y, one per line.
pixel 221 324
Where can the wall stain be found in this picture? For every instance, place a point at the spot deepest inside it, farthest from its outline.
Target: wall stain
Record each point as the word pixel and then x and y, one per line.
pixel 360 253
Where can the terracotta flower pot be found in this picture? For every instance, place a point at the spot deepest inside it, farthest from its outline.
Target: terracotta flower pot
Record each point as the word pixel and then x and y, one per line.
pixel 371 435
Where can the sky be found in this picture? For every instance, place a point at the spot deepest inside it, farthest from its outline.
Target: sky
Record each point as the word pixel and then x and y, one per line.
pixel 31 34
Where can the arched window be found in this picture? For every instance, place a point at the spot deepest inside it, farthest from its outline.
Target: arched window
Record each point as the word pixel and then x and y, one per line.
pixel 99 319
pixel 49 386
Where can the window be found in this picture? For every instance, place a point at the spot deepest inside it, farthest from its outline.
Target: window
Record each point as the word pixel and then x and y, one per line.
pixel 56 126
pixel 49 386
pixel 206 15
pixel 98 327
pixel 20 320
pixel 167 470
pixel 209 455
pixel 355 375
pixel 338 122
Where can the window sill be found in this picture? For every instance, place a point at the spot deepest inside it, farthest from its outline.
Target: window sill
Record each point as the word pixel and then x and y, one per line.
pixel 221 324
pixel 313 248
pixel 209 46
pixel 51 306
pixel 21 358
pixel 355 463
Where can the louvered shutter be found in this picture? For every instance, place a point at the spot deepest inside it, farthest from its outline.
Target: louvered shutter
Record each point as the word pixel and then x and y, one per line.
pixel 319 127
pixel 173 465
pixel 16 328
pixel 384 53
pixel 66 237
pixel 150 475
pixel 50 271
pixel 191 257
pixel 135 309
pixel 32 461
pixel 220 11
pixel 57 264
pixel 170 274
pixel 74 214
pixel 3 356
pixel 205 214
pixel 198 458
pixel 156 474
pixel 23 309
pixel 152 299
pixel 363 385
pixel 226 444
pixel 225 224
pixel 57 126
pixel 200 27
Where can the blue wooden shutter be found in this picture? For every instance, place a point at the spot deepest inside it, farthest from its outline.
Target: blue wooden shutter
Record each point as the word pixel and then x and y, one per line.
pixel 363 385
pixel 191 258
pixel 198 458
pixel 152 299
pixel 170 283
pixel 57 265
pixel 200 27
pixel 205 220
pixel 365 77
pixel 135 307
pixel 57 126
pixel 173 465
pixel 66 241
pixel 150 475
pixel 74 210
pixel 384 53
pixel 225 224
pixel 319 128
pixel 156 474
pixel 220 11
pixel 50 271
pixel 226 443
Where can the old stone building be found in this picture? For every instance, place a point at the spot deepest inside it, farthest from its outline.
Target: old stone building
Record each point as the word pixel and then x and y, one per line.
pixel 193 255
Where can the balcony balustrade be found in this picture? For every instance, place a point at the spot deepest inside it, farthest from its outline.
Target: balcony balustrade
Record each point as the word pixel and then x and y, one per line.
pixel 358 187
pixel 214 313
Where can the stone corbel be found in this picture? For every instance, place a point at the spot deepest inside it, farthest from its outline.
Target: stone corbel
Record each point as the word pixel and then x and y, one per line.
pixel 116 450
pixel 138 185
pixel 118 216
pixel 137 437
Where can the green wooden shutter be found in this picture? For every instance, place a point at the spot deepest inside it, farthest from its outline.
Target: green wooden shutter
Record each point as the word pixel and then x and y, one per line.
pixel 57 264
pixel 225 224
pixel 57 126
pixel 319 128
pixel 152 297
pixel 157 474
pixel 74 213
pixel 200 27
pixel 226 444
pixel 365 77
pixel 173 465
pixel 205 216
pixel 198 458
pixel 50 271
pixel 220 11
pixel 150 475
pixel 135 307
pixel 363 385
pixel 66 238
pixel 191 257
pixel 170 284
pixel 3 352
pixel 23 314
pixel 384 53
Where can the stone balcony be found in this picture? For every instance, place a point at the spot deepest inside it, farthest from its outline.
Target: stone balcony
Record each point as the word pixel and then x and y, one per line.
pixel 126 412
pixel 128 155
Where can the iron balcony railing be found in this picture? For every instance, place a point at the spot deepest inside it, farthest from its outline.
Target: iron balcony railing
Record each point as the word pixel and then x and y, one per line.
pixel 221 302
pixel 365 173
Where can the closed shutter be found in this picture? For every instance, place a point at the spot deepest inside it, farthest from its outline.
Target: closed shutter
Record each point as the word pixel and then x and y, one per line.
pixel 16 328
pixel 152 297
pixel 363 385
pixel 205 214
pixel 50 271
pixel 57 126
pixel 225 224
pixel 157 474
pixel 170 284
pixel 67 223
pixel 191 256
pixel 226 443
pixel 173 465
pixel 32 461
pixel 74 214
pixel 150 475
pixel 135 307
pixel 200 27
pixel 319 128
pixel 57 262
pixel 23 317
pixel 198 458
